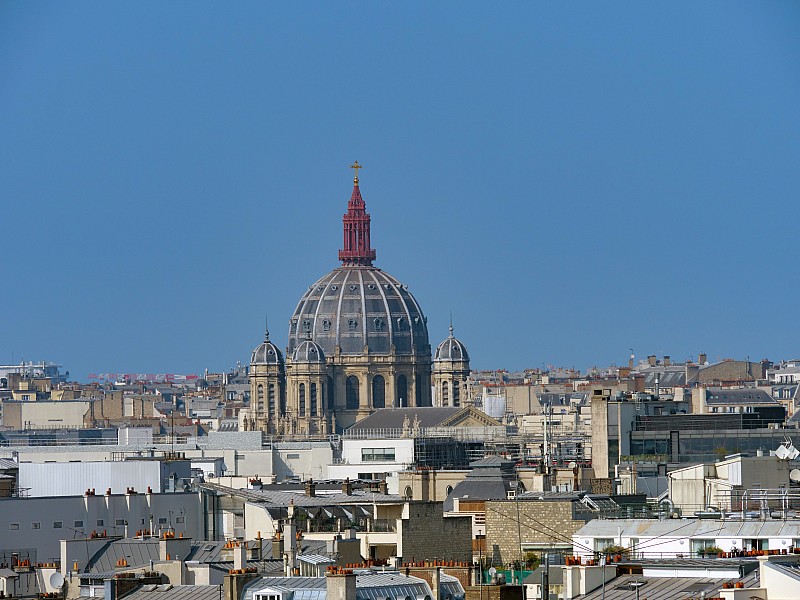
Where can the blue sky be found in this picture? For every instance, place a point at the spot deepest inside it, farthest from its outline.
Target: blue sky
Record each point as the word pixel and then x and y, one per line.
pixel 571 181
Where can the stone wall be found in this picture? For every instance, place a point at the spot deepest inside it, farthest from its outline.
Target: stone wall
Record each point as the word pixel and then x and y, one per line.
pixel 541 524
pixel 427 534
pixel 494 592
pixel 429 485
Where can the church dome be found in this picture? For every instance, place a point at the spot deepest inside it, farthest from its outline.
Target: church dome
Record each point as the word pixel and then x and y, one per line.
pixel 451 349
pixel 308 352
pixel 266 353
pixel 356 306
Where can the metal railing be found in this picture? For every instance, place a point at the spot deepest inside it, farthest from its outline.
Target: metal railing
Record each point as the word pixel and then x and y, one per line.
pixel 477 434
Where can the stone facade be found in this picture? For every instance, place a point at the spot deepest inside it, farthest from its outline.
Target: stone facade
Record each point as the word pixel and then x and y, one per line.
pixel 429 485
pixel 428 535
pixel 542 524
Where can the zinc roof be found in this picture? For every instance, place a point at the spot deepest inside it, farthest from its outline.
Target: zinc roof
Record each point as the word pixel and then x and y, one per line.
pixel 393 418
pixel 175 592
pixel 690 528
pixel 664 588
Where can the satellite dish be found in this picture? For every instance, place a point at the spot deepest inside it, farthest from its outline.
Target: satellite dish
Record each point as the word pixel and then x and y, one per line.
pixel 492 571
pixel 783 452
pixel 57 579
pixel 793 452
pixel 794 475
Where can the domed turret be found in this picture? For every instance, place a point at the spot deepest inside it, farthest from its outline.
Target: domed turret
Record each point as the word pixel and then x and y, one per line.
pixel 266 353
pixel 451 372
pixel 267 388
pixel 451 349
pixel 308 352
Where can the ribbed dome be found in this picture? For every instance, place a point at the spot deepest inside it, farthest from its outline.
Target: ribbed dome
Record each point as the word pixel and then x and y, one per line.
pixel 308 352
pixel 451 349
pixel 266 353
pixel 356 306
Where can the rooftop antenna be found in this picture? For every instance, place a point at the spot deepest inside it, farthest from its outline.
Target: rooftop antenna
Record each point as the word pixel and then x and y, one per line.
pixel 172 415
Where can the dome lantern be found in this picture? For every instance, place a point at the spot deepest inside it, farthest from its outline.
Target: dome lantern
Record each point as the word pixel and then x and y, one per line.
pixel 357 251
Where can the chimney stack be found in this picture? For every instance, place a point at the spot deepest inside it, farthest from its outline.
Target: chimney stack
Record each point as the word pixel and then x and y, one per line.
pixel 702 358
pixel 347 487
pixel 311 488
pixel 277 546
pixel 651 360
pixel 171 547
pixel 290 549
pixel 667 361
pixel 383 487
pixel 240 555
pixel 340 586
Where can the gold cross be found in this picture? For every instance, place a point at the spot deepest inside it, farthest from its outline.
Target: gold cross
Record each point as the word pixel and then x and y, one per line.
pixel 355 166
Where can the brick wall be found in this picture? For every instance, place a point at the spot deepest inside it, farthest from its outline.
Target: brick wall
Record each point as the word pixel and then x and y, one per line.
pixel 471 506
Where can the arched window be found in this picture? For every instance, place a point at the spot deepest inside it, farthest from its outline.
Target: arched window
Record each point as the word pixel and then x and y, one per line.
pixel 313 400
pixel 408 493
pixel 402 391
pixel 302 408
pixel 351 392
pixel 271 398
pixel 260 398
pixel 448 490
pixel 421 382
pixel 456 394
pixel 378 391
pixel 330 394
pixel 445 396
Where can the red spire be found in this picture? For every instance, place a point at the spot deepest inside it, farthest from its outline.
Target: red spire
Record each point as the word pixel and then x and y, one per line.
pixel 357 250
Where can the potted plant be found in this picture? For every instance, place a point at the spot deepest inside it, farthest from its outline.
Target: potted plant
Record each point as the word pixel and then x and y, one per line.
pixel 615 551
pixel 711 551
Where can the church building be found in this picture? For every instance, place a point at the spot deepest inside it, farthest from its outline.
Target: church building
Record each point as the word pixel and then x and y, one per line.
pixel 358 342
